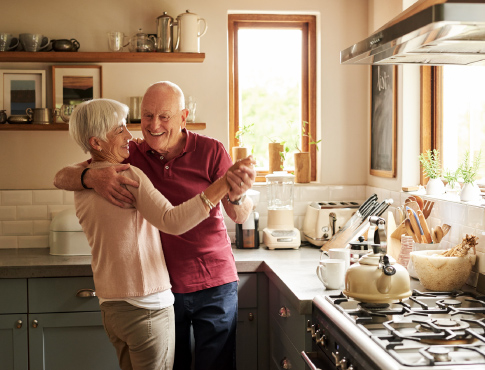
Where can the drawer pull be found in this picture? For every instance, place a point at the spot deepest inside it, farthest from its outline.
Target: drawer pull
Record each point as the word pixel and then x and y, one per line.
pixel 251 316
pixel 285 364
pixel 86 293
pixel 284 312
pixel 35 323
pixel 18 324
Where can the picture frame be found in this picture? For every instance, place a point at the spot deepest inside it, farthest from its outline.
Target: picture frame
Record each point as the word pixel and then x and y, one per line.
pixel 72 84
pixel 21 89
pixel 383 130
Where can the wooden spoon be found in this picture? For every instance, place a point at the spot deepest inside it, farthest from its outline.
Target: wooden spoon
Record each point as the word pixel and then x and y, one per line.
pixel 409 230
pixel 439 233
pixel 433 236
pixel 445 228
pixel 420 201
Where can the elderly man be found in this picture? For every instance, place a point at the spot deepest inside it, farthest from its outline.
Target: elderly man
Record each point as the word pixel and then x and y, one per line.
pixel 200 262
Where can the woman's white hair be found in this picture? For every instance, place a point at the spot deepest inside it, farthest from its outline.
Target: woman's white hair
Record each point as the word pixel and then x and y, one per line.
pixel 95 118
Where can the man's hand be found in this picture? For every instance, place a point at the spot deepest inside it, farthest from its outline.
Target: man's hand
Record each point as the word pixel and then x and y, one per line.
pixel 240 177
pixel 107 182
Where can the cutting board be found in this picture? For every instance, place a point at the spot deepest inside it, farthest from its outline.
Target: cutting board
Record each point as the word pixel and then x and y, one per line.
pixel 393 245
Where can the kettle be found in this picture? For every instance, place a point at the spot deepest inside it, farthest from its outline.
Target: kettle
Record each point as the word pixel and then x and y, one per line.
pixel 188 32
pixel 141 42
pixel 377 278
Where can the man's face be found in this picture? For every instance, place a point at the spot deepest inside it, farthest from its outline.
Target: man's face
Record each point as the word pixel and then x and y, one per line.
pixel 162 120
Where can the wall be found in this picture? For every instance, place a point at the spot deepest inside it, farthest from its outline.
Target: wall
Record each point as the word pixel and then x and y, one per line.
pixel 29 160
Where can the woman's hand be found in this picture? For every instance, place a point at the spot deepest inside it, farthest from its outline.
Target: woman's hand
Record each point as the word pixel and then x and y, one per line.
pixel 241 176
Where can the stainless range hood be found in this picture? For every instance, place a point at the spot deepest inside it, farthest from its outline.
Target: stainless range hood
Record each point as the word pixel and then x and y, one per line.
pixel 431 32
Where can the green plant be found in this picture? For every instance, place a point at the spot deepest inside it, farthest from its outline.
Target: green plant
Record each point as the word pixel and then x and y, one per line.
pixel 431 163
pixel 283 154
pixel 469 171
pixel 245 129
pixel 311 141
pixel 451 177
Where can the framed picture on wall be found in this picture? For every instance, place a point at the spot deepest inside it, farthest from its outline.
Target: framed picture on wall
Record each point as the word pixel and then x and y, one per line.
pixel 21 89
pixel 72 85
pixel 383 130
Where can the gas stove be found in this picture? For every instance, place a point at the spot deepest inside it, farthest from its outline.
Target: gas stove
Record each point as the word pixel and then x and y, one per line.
pixel 443 330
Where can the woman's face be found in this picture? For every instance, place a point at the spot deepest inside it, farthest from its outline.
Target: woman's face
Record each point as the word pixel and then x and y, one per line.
pixel 116 146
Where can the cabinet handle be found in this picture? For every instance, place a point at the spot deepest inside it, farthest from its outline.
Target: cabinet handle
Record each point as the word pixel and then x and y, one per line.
pixel 250 316
pixel 285 364
pixel 18 324
pixel 284 312
pixel 35 323
pixel 86 293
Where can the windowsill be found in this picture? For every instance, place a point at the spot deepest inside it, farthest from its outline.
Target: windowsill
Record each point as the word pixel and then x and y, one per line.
pixel 454 198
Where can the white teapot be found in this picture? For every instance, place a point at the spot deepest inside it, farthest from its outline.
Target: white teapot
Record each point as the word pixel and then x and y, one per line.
pixel 189 33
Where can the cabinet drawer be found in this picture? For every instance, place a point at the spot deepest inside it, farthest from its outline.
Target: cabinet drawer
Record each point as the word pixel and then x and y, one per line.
pixel 247 290
pixel 13 293
pixel 61 295
pixel 287 316
pixel 284 355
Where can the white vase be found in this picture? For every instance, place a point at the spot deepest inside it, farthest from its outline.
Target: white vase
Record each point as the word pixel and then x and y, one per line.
pixel 435 187
pixel 470 193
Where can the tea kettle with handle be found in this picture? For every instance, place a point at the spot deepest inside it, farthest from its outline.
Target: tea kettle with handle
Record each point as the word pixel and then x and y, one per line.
pixel 189 33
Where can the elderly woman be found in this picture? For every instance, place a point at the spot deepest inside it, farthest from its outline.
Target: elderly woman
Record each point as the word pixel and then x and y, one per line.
pixel 128 264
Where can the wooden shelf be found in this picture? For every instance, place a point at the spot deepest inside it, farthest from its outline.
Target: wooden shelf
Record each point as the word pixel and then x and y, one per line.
pixel 102 57
pixel 65 127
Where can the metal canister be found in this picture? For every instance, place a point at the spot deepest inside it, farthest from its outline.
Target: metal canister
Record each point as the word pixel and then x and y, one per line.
pixel 164 33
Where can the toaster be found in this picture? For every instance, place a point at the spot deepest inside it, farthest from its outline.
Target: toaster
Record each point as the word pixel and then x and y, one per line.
pixel 324 219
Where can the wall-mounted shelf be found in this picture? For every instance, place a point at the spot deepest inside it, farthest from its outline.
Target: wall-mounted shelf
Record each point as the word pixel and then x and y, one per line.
pixel 65 127
pixel 103 57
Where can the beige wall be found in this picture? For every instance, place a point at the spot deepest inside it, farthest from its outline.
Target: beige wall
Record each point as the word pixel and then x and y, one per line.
pixel 29 160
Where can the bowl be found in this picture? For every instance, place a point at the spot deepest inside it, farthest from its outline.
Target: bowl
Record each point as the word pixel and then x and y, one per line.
pixel 440 273
pixel 18 119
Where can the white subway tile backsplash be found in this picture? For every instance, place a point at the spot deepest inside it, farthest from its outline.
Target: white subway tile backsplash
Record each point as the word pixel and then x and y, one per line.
pixel 480 263
pixel 8 213
pixel 47 197
pixel 481 240
pixel 356 193
pixel 68 197
pixel 475 217
pixel 38 212
pixel 458 213
pixel 53 210
pixel 16 228
pixel 313 193
pixel 33 241
pixel 41 227
pixel 16 197
pixel 8 242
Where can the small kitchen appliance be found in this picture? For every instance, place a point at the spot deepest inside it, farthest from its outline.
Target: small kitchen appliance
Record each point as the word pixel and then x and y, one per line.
pixel 247 233
pixel 280 231
pixel 66 236
pixel 324 219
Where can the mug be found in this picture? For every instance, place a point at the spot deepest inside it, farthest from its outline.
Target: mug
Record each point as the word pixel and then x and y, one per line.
pixel 116 41
pixel 331 273
pixel 40 115
pixel 338 253
pixel 33 41
pixel 8 42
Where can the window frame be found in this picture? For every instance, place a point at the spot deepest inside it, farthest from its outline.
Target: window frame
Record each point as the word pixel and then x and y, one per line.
pixel 307 23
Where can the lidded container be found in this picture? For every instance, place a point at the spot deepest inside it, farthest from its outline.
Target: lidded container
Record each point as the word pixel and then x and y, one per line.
pixel 280 185
pixel 165 25
pixel 141 42
pixel 66 236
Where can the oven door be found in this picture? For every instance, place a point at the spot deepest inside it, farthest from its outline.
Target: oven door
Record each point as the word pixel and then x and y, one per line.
pixel 317 361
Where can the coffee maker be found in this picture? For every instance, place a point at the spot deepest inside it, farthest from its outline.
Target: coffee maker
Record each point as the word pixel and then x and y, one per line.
pixel 247 233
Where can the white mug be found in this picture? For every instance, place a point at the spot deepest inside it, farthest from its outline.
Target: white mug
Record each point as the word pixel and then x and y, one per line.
pixel 331 273
pixel 338 253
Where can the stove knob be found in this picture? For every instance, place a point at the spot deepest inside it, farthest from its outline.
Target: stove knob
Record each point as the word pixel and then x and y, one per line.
pixel 320 338
pixel 340 363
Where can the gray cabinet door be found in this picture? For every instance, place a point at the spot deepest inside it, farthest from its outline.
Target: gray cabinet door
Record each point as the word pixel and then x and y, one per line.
pixel 75 341
pixel 247 339
pixel 13 342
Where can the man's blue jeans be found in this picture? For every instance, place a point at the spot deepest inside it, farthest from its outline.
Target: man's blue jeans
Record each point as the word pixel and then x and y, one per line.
pixel 213 314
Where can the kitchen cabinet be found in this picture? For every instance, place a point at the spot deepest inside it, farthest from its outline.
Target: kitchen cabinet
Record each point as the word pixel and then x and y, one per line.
pixel 94 57
pixel 60 325
pixel 288 336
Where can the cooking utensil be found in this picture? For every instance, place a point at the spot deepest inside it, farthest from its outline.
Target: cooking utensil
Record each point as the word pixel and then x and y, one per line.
pixel 359 214
pixel 401 229
pixel 445 228
pixel 418 231
pixel 420 201
pixel 427 207
pixel 433 236
pixel 425 227
pixel 411 204
pixel 409 229
pixel 439 233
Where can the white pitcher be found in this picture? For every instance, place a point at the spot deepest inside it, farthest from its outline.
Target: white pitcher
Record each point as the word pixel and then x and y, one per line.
pixel 189 33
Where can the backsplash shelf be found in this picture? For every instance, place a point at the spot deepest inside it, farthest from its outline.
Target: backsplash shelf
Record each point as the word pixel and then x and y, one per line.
pixel 65 127
pixel 100 57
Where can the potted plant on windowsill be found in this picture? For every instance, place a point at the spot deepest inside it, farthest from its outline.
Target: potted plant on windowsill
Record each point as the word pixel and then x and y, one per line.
pixel 240 152
pixel 303 159
pixel 452 186
pixel 468 172
pixel 430 160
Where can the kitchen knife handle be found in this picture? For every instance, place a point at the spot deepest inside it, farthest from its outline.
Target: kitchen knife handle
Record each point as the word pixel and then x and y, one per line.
pixel 425 227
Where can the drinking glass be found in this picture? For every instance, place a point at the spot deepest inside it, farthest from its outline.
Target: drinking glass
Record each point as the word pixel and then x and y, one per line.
pixel 115 41
pixel 190 104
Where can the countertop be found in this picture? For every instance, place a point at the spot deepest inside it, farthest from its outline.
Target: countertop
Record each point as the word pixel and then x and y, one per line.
pixel 292 271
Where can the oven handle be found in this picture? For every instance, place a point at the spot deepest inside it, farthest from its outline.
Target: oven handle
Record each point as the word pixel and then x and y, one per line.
pixel 308 361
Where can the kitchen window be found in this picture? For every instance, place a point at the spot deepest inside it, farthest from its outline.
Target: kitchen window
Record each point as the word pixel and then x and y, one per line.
pixel 272 84
pixel 454 112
